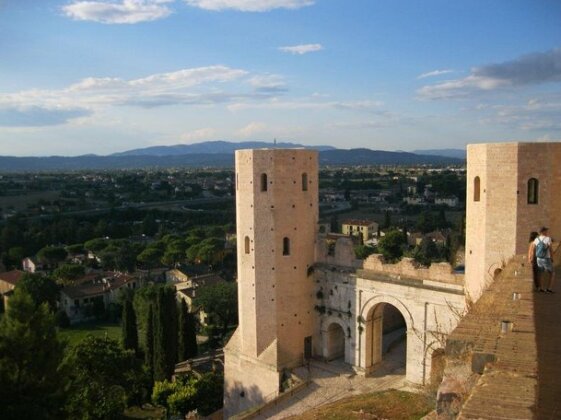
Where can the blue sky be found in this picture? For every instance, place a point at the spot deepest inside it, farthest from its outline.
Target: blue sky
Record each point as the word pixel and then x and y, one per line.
pixel 104 76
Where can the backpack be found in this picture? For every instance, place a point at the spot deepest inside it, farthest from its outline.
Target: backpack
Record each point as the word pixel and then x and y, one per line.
pixel 541 249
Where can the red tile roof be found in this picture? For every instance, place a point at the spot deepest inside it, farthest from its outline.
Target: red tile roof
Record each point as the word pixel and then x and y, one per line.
pixel 12 277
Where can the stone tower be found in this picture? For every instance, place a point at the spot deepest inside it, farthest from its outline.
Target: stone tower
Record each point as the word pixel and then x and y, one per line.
pixel 512 189
pixel 276 217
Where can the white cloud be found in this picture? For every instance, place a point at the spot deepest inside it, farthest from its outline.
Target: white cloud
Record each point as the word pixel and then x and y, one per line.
pixel 460 87
pixel 194 86
pixel 365 105
pixel 125 11
pixel 301 49
pixel 200 134
pixel 434 73
pixel 251 129
pixel 249 5
pixel 268 83
pixel 530 69
pixel 536 114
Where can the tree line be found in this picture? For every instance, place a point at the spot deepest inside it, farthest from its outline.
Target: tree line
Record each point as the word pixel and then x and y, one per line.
pixel 41 376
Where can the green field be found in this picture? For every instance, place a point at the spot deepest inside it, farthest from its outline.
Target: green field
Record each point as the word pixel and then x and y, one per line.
pixel 77 333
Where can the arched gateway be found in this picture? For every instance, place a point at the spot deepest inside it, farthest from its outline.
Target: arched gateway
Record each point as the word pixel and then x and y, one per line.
pixel 382 320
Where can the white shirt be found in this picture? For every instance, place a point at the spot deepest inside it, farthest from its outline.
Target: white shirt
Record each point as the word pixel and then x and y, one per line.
pixel 547 241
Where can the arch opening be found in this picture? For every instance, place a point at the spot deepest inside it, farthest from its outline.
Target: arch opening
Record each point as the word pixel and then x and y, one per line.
pixel 304 181
pixel 286 246
pixel 476 189
pixel 533 190
pixel 385 339
pixel 335 342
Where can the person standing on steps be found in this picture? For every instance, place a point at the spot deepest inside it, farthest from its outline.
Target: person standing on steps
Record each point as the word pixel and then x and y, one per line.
pixel 532 260
pixel 545 263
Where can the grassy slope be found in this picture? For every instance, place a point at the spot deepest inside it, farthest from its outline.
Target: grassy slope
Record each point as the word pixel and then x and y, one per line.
pixel 77 333
pixel 390 404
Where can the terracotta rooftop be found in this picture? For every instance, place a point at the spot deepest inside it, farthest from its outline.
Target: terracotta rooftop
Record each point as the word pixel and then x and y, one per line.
pixel 12 277
pixel 94 284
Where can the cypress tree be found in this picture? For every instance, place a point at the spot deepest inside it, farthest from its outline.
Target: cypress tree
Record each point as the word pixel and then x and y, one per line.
pixel 149 353
pixel 165 334
pixel 192 349
pixel 171 330
pixel 130 334
pixel 159 348
pixel 187 339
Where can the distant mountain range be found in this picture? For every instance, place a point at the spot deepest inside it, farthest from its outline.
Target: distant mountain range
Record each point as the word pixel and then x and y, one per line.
pixel 212 147
pixel 213 153
pixel 454 153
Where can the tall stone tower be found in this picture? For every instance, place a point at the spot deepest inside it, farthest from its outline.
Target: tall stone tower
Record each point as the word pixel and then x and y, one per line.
pixel 512 190
pixel 276 216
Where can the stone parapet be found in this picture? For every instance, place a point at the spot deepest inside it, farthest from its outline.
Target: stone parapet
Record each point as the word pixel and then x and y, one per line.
pixel 502 359
pixel 407 267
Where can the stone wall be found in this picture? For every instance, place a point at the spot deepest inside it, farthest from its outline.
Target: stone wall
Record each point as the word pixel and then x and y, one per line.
pixel 407 267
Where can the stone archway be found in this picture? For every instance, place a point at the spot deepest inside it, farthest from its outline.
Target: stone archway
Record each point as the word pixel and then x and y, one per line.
pixel 335 348
pixel 374 326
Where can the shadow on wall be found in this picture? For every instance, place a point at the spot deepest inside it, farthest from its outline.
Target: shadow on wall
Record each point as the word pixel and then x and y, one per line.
pixel 248 398
pixel 547 314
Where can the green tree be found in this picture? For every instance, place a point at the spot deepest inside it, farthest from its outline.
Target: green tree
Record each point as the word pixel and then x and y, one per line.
pixel 104 379
pixel 204 393
pixel 210 393
pixel 174 253
pixel 165 334
pixel 130 333
pixel 441 221
pixel 178 397
pixel 42 289
pixel 75 249
pixel 427 252
pixel 52 255
pixel 391 245
pixel 16 255
pixel 67 273
pixel 426 222
pixel 192 253
pixel 149 342
pixel 221 301
pixel 387 220
pixel 150 257
pixel 96 245
pixel 363 251
pixel 187 336
pixel 149 224
pixel 31 355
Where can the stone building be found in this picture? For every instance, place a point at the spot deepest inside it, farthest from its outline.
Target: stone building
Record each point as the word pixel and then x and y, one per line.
pixel 354 227
pixel 277 216
pixel 302 296
pixel 512 190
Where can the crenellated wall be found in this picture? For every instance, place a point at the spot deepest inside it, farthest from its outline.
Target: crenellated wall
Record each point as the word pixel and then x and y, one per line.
pixel 407 267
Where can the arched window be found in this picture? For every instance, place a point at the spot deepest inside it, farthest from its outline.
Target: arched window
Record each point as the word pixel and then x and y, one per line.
pixel 263 182
pixel 286 246
pixel 246 244
pixel 304 181
pixel 476 189
pixel 533 190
